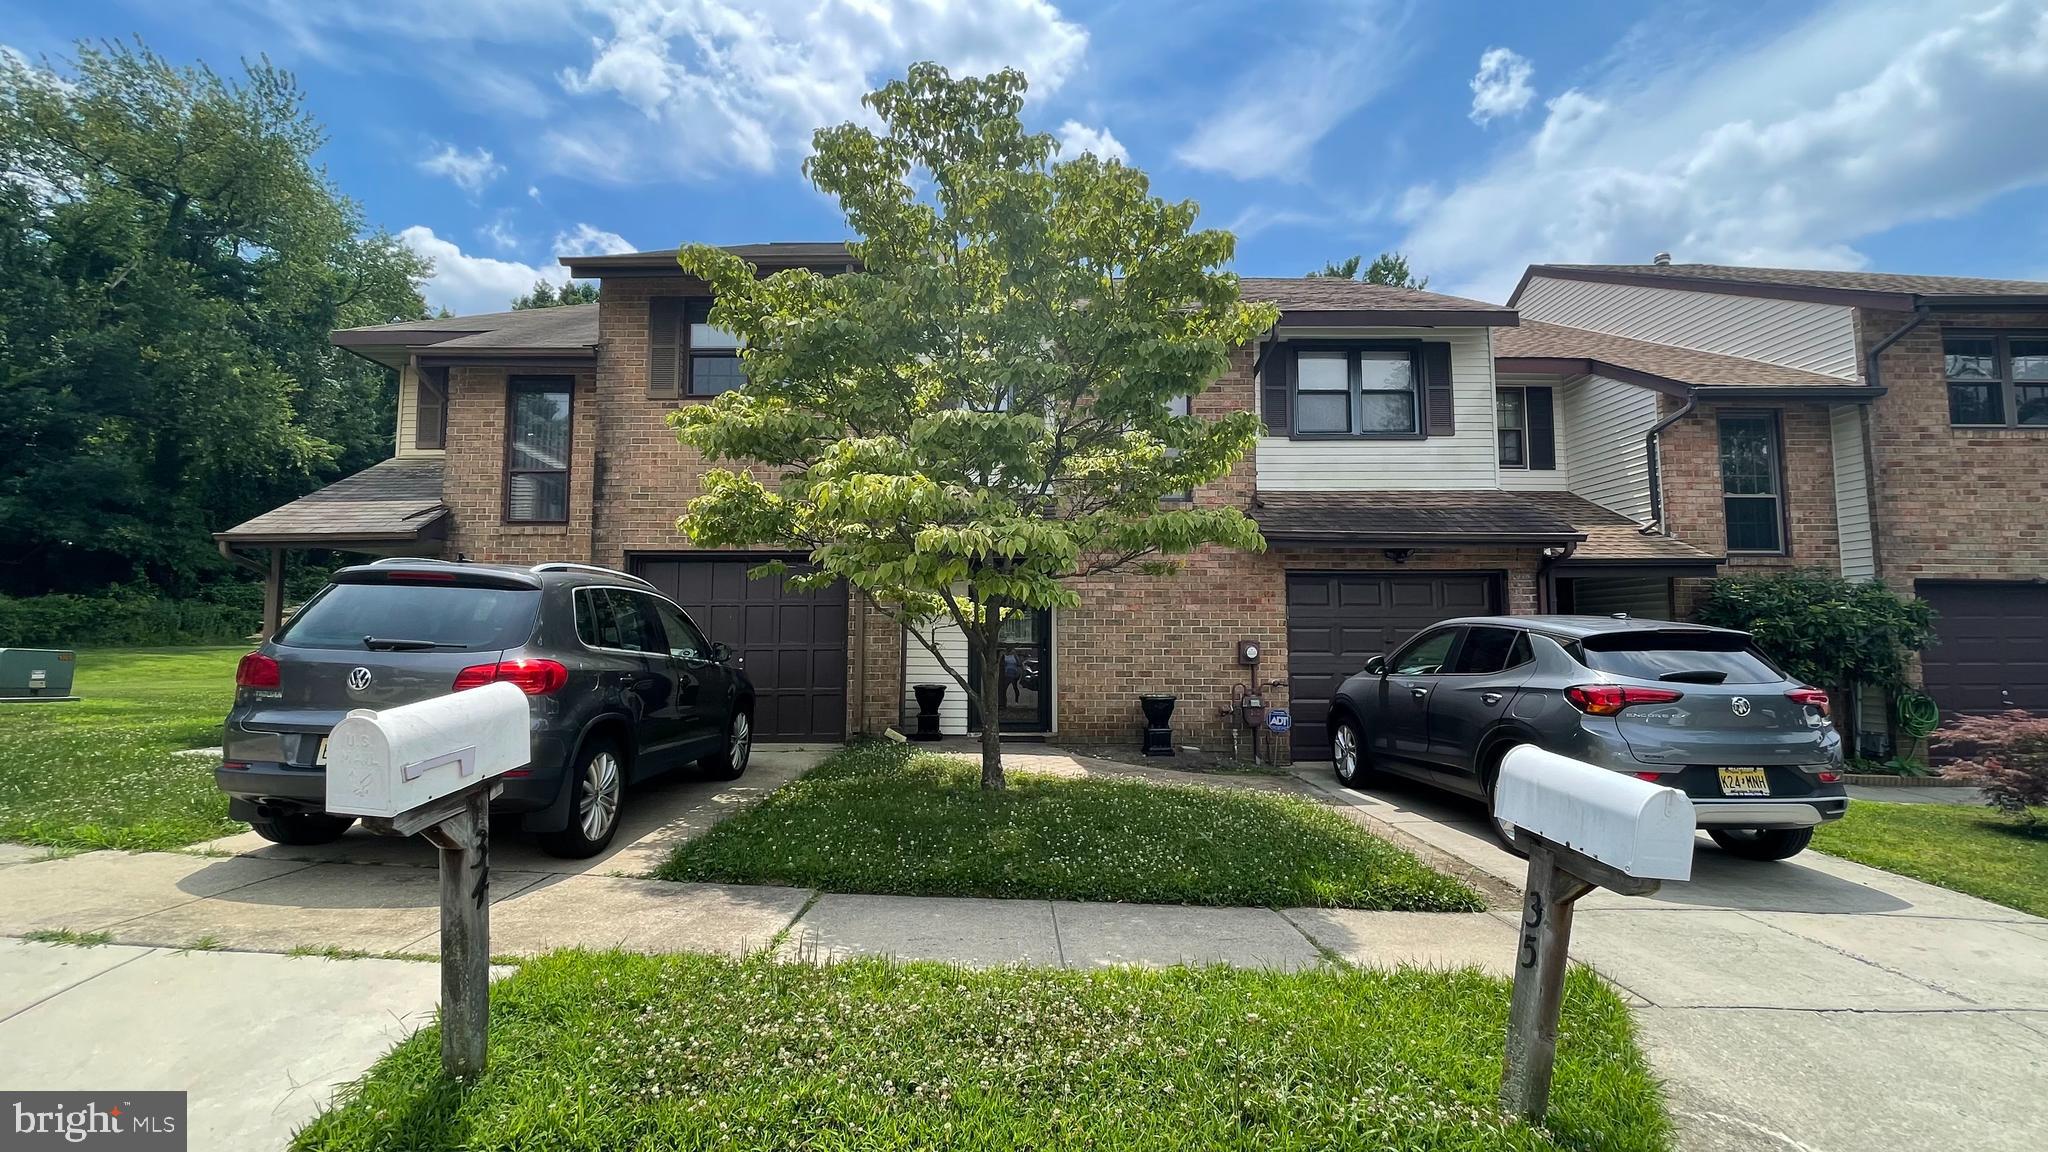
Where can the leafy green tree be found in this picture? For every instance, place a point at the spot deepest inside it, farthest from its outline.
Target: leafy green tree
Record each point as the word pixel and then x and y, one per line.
pixel 1823 629
pixel 977 415
pixel 546 295
pixel 171 262
pixel 1386 268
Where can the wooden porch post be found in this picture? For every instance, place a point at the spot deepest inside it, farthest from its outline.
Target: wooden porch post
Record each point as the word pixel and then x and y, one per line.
pixel 273 593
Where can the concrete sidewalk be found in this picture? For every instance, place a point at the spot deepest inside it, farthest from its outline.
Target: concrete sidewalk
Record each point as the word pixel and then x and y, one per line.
pixel 230 1029
pixel 1809 1005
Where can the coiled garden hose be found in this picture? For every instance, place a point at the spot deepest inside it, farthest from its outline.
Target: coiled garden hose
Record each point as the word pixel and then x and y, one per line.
pixel 1917 715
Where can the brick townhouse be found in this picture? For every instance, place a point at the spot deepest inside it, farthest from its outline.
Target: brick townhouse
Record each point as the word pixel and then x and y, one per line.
pixel 1426 456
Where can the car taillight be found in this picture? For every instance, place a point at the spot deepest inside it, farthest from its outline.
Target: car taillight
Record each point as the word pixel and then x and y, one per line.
pixel 1831 777
pixel 534 677
pixel 1813 698
pixel 257 671
pixel 1608 699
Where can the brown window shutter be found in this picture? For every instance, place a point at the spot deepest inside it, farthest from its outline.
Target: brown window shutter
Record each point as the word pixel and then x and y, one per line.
pixel 430 409
pixel 1275 386
pixel 1436 382
pixel 1542 430
pixel 664 348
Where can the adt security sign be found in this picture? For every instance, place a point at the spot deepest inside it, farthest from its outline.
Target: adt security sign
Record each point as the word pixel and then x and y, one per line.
pixel 1277 720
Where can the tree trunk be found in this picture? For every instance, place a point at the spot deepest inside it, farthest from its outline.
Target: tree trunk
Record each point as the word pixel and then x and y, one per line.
pixel 991 721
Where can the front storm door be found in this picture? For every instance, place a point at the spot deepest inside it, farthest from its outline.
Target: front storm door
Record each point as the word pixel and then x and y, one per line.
pixel 1024 686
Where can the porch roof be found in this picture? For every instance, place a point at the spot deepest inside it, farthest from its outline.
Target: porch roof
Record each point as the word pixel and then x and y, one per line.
pixel 563 334
pixel 1556 348
pixel 1409 518
pixel 1614 539
pixel 395 502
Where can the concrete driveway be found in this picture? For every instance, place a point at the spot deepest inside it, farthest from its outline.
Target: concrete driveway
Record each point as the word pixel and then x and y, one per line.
pixel 1811 1005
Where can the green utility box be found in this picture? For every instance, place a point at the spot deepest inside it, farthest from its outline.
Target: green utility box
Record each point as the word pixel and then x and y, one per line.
pixel 36 674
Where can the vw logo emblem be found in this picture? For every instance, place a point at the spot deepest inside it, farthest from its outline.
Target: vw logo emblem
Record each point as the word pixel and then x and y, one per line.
pixel 359 679
pixel 1741 705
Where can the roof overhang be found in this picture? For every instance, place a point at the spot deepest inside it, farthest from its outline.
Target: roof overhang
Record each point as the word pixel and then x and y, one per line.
pixel 1650 566
pixel 434 527
pixel 576 358
pixel 1420 539
pixel 1400 318
pixel 1719 393
pixel 1811 294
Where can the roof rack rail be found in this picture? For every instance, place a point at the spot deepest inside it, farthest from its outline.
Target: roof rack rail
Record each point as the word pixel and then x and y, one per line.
pixel 567 566
pixel 409 560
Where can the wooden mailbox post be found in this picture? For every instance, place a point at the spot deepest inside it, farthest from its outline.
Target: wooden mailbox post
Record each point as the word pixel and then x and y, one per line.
pixel 1584 827
pixel 431 769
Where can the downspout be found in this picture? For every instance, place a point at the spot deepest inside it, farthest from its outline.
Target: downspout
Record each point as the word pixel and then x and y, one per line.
pixel 1873 376
pixel 1872 371
pixel 1656 523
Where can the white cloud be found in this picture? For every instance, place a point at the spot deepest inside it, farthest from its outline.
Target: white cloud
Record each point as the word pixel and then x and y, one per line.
pixel 533 192
pixel 470 171
pixel 499 232
pixel 467 284
pixel 1501 86
pixel 718 84
pixel 1076 138
pixel 1874 114
pixel 588 240
pixel 1273 117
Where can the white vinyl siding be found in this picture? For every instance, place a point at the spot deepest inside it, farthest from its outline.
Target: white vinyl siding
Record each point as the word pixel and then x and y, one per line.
pixel 921 667
pixel 1539 479
pixel 1464 461
pixel 1852 492
pixel 1601 426
pixel 408 414
pixel 1794 333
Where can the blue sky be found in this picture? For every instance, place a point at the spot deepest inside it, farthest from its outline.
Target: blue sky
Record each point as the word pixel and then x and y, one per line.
pixel 1907 135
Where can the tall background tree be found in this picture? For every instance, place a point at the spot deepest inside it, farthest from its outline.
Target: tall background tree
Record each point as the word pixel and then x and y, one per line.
pixel 172 259
pixel 980 413
pixel 546 295
pixel 1386 268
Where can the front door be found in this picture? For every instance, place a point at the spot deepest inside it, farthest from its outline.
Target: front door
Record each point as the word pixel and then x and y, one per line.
pixel 1024 686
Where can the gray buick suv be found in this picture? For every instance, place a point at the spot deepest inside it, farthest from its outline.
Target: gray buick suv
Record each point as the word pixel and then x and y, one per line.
pixel 1697 709
pixel 622 685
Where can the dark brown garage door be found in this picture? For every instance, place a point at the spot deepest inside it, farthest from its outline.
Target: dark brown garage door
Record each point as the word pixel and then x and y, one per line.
pixel 1991 647
pixel 794 642
pixel 1337 619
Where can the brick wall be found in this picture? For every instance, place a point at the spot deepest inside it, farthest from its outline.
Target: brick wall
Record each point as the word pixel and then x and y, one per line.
pixel 1690 463
pixel 473 484
pixel 1950 502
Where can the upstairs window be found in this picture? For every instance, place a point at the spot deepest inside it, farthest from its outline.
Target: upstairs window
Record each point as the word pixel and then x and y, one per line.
pixel 1996 380
pixel 1752 495
pixel 537 450
pixel 714 354
pixel 1511 418
pixel 1365 391
pixel 430 409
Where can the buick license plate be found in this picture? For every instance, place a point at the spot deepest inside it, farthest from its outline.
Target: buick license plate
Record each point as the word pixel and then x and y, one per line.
pixel 1744 782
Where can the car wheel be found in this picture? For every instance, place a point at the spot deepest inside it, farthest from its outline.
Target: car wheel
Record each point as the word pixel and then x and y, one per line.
pixel 597 785
pixel 1762 843
pixel 302 828
pixel 1503 831
pixel 1348 756
pixel 730 762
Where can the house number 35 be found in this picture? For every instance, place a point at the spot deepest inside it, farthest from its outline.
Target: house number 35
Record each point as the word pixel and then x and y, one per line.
pixel 1532 923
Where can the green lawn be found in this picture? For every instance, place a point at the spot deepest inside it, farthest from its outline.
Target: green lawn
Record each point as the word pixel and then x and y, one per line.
pixel 100 773
pixel 607 1051
pixel 883 818
pixel 1969 849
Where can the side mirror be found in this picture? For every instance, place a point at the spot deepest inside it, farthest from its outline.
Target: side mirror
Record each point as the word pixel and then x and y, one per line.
pixel 723 652
pixel 1376 665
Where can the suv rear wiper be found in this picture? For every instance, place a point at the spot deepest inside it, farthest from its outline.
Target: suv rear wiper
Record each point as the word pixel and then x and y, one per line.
pixel 1701 676
pixel 392 644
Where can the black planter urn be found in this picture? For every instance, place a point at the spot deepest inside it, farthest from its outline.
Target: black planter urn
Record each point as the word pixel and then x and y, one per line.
pixel 928 697
pixel 1158 724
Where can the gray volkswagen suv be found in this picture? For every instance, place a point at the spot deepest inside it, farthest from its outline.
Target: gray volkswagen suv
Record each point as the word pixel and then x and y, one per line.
pixel 1693 708
pixel 623 686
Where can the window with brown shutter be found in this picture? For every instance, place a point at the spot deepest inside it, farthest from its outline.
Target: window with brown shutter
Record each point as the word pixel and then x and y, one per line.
pixel 1364 390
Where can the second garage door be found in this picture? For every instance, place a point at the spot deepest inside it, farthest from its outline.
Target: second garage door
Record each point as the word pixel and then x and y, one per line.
pixel 794 642
pixel 1991 647
pixel 1337 619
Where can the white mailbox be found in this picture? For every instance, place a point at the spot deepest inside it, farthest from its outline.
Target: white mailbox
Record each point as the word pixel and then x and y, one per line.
pixel 390 762
pixel 1633 826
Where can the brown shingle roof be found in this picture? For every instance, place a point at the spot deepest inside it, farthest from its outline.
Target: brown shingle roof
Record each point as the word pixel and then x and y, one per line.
pixel 1892 290
pixel 397 500
pixel 1309 299
pixel 1535 340
pixel 1612 537
pixel 569 326
pixel 1409 518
